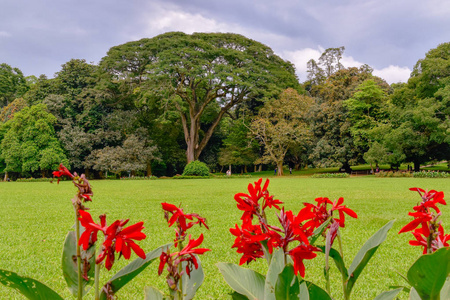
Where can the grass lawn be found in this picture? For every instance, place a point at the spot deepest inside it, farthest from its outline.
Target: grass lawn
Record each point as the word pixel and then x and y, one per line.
pixel 35 218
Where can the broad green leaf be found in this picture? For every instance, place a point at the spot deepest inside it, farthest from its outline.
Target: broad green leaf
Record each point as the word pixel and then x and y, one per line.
pixel 316 292
pixel 152 293
pixel 276 267
pixel 445 291
pixel 192 283
pixel 336 256
pixel 318 232
pixel 30 288
pixel 287 286
pixel 304 293
pixel 244 281
pixel 389 295
pixel 237 296
pixel 365 254
pixel 267 254
pixel 69 264
pixel 428 274
pixel 127 273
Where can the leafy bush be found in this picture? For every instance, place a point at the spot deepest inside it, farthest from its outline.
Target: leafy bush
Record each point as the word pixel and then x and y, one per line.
pixel 330 175
pixel 393 174
pixel 191 177
pixel 34 179
pixel 431 174
pixel 139 178
pixel 196 168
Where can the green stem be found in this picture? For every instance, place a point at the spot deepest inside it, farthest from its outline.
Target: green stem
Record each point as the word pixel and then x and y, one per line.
pixel 344 280
pixel 80 275
pixel 180 269
pixel 327 274
pixel 97 281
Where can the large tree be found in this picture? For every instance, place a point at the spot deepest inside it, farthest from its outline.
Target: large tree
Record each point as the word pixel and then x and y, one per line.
pixel 199 74
pixel 12 84
pixel 282 124
pixel 30 143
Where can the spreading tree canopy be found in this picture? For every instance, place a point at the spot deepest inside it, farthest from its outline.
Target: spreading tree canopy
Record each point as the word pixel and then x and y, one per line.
pixel 198 75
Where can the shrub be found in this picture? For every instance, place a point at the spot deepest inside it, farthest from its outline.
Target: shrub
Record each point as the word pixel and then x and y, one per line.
pixel 196 168
pixel 431 174
pixel 331 175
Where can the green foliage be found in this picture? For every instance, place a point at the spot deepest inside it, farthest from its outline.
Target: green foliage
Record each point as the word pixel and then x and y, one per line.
pixel 431 174
pixel 330 175
pixel 29 142
pixel 196 168
pixel 429 273
pixel 12 84
pixel 69 265
pixel 30 288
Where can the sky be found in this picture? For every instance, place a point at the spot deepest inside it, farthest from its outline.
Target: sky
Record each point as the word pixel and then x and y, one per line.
pixel 38 36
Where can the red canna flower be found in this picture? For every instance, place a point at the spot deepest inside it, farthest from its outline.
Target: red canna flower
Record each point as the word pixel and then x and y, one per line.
pixel 342 209
pixel 89 236
pixel 419 218
pixel 299 253
pixel 430 199
pixel 187 253
pixel 117 238
pixel 179 216
pixel 247 242
pixel 62 171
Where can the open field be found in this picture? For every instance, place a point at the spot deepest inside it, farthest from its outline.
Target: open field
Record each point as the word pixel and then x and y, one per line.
pixel 35 218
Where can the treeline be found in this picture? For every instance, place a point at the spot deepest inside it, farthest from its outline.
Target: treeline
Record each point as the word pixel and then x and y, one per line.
pixel 152 105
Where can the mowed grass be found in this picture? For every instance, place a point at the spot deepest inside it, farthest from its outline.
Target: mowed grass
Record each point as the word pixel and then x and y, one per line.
pixel 35 218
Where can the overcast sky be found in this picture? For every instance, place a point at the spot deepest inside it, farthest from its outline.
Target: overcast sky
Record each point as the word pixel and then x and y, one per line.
pixel 38 36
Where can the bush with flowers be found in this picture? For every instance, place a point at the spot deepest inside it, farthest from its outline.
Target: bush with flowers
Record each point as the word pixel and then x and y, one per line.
pixel 315 229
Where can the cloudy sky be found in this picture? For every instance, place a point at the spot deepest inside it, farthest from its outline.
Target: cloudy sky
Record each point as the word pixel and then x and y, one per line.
pixel 38 36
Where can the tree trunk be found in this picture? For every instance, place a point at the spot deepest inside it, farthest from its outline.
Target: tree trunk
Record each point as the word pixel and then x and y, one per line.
pixel 280 168
pixel 149 169
pixel 6 176
pixel 297 166
pixel 416 166
pixel 245 169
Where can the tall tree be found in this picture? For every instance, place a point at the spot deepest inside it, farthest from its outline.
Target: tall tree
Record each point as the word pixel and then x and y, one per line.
pixel 30 143
pixel 281 124
pixel 199 73
pixel 12 84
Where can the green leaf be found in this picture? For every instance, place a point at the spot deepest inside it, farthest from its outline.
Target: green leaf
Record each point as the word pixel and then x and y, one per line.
pixel 445 291
pixel 287 286
pixel 336 256
pixel 304 293
pixel 365 254
pixel 237 296
pixel 428 274
pixel 316 292
pixel 389 295
pixel 127 273
pixel 267 254
pixel 69 264
pixel 318 232
pixel 152 293
pixel 244 281
pixel 30 288
pixel 275 268
pixel 192 283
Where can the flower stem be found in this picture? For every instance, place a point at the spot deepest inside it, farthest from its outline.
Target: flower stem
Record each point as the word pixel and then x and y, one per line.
pixel 341 252
pixel 180 270
pixel 97 281
pixel 80 275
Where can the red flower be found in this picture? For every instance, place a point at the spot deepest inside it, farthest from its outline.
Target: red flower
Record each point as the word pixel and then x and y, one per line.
pixel 421 239
pixel 342 209
pixel 63 171
pixel 249 203
pixel 89 236
pixel 179 216
pixel 248 241
pixel 430 199
pixel 419 218
pixel 299 253
pixel 121 240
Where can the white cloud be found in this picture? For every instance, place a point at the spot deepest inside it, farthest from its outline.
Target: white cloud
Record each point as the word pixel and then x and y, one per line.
pixel 393 74
pixel 300 58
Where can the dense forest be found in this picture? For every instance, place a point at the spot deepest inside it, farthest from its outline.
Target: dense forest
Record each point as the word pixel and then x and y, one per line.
pixel 151 106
